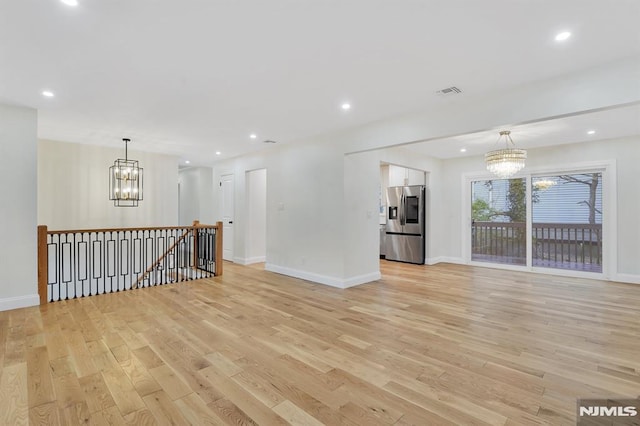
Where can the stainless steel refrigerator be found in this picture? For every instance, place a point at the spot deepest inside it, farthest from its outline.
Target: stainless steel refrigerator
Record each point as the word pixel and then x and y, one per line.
pixel 405 223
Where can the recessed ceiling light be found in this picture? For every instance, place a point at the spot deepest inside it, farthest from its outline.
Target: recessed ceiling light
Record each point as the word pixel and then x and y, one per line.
pixel 187 162
pixel 563 36
pixel 591 132
pixel 346 106
pixel 218 153
pixel 70 2
pixel 253 136
pixel 47 93
pixel 463 149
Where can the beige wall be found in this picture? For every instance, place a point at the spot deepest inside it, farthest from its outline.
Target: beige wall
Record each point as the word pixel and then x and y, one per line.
pixel 196 195
pixel 73 188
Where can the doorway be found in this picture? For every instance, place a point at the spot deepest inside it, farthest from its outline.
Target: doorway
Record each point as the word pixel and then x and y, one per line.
pixel 256 235
pixel 227 209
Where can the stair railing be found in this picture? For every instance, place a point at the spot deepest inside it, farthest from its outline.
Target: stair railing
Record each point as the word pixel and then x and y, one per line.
pixel 87 262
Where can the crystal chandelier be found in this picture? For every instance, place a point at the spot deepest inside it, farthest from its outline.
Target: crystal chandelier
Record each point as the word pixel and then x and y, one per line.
pixel 507 161
pixel 125 181
pixel 543 183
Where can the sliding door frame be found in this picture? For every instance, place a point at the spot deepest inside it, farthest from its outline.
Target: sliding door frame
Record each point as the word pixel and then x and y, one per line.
pixel 609 215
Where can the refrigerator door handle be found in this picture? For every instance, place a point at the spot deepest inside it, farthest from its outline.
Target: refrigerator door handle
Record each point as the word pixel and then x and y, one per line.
pixel 402 215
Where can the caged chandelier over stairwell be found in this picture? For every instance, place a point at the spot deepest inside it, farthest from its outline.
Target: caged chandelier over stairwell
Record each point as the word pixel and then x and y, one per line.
pixel 507 161
pixel 125 181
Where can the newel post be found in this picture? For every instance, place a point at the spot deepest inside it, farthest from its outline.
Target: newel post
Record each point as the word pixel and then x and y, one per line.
pixel 196 223
pixel 43 264
pixel 218 249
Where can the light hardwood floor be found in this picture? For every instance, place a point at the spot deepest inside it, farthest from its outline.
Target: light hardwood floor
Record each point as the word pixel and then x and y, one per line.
pixel 444 344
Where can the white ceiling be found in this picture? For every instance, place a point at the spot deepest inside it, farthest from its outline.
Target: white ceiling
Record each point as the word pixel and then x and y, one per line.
pixel 607 124
pixel 192 77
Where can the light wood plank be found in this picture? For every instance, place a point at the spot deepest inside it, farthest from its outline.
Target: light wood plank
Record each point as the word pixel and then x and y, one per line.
pixel 45 414
pixel 124 394
pixel 14 399
pixel 96 393
pixel 196 412
pixel 39 381
pixel 295 415
pixel 142 417
pixel 172 384
pixel 140 377
pixel 163 409
pixel 74 414
pixel 68 390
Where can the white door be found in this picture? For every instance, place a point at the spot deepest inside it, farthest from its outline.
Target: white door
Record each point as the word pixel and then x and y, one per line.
pixel 226 202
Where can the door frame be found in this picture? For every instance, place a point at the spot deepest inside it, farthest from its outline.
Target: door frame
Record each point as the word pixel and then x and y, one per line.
pixel 221 201
pixel 609 214
pixel 246 260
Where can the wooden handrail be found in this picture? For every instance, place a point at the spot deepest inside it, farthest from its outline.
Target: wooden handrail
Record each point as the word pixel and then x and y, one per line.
pixel 158 228
pixel 538 225
pixel 499 224
pixel 567 225
pixel 157 262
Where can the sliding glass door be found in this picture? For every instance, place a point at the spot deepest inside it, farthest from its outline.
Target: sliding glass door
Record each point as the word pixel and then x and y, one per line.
pixel 567 221
pixel 499 218
pixel 564 230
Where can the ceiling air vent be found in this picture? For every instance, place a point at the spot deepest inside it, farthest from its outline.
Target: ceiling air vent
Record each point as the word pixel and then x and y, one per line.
pixel 269 141
pixel 453 90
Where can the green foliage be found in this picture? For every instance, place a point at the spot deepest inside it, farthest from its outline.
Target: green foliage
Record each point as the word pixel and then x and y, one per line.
pixel 517 201
pixel 481 211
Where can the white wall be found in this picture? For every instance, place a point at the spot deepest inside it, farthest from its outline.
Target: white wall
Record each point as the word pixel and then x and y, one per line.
pixel 625 152
pixel 196 195
pixel 361 239
pixel 256 236
pixel 18 220
pixel 73 188
pixel 304 198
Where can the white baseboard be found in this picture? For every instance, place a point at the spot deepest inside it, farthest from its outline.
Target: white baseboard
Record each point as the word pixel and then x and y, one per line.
pixel 626 278
pixel 19 302
pixel 444 259
pixel 249 260
pixel 361 279
pixel 323 279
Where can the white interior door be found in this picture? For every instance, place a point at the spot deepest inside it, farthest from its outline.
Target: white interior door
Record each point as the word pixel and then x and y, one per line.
pixel 226 202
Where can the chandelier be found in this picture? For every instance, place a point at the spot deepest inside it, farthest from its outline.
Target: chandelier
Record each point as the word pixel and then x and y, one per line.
pixel 507 161
pixel 543 183
pixel 125 181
